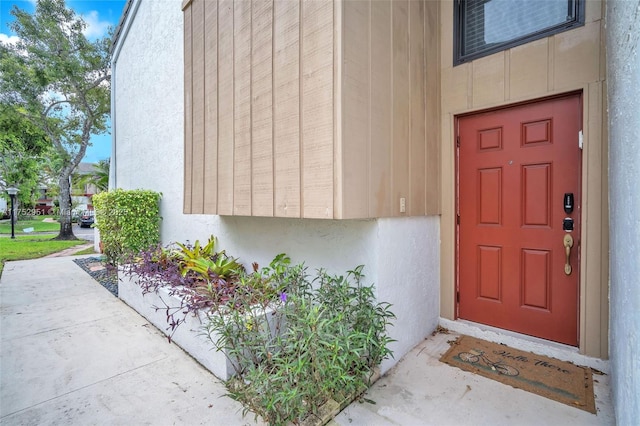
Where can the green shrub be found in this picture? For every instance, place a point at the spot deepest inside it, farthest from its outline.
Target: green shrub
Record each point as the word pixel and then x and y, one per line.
pixel 330 336
pixel 128 221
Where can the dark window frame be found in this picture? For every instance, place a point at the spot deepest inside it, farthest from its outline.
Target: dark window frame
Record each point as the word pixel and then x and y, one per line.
pixel 458 26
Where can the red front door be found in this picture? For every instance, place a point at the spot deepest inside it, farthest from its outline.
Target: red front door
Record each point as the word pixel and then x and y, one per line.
pixel 515 269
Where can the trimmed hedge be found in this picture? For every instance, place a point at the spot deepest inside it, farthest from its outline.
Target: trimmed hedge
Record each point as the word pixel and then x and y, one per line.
pixel 128 221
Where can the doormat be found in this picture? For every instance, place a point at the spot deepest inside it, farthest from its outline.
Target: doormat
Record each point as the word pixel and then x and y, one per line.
pixel 554 379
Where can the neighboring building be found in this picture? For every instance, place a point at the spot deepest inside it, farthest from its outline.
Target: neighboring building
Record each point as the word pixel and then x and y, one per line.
pixel 461 159
pixel 82 193
pixel 45 202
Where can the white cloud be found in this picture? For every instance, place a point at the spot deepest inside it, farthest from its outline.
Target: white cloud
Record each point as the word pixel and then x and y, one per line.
pixel 5 39
pixel 95 27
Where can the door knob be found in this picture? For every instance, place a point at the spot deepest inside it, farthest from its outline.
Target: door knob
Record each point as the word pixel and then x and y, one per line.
pixel 568 243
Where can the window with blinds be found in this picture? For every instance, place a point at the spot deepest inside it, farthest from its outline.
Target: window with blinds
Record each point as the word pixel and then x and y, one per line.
pixel 483 27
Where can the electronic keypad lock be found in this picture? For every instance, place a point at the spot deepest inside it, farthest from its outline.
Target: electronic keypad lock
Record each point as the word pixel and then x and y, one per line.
pixel 568 202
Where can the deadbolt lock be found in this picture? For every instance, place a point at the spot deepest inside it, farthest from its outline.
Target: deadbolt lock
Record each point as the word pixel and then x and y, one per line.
pixel 567 224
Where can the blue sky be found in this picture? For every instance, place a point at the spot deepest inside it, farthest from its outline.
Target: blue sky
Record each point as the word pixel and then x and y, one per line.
pixel 99 15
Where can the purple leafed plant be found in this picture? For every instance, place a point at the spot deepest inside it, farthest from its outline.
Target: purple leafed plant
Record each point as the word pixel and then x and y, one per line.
pixel 201 278
pixel 159 267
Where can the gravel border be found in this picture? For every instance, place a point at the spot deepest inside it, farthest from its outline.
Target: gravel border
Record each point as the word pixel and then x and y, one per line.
pixel 107 277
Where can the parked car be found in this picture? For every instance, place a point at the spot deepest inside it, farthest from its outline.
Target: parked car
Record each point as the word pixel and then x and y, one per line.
pixel 86 219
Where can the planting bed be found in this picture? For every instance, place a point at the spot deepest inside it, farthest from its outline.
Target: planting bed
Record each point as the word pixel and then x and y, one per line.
pixel 190 335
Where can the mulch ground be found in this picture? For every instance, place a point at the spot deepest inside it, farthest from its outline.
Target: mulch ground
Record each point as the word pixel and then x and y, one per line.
pixel 104 274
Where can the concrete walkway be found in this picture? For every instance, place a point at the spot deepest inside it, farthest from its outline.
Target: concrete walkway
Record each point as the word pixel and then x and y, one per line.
pixel 71 353
pixel 71 251
pixel 421 390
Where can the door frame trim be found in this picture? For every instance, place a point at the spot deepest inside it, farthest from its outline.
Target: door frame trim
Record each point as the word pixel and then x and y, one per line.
pixel 594 285
pixel 456 133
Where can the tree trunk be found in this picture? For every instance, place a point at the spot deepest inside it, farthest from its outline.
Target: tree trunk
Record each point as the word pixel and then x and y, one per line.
pixel 66 230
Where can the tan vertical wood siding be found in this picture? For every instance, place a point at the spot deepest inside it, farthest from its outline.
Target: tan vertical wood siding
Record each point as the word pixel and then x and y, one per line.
pixel 242 71
pixel 226 127
pixel 432 107
pixel 188 112
pixel 286 108
pixel 262 109
pixel 356 101
pixel 380 196
pixel 313 109
pixel 388 75
pixel 401 102
pixel 209 186
pixel 317 108
pixel 197 63
pixel 416 201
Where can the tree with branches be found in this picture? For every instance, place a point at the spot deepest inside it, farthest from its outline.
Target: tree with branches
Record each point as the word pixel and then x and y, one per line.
pixel 60 81
pixel 24 149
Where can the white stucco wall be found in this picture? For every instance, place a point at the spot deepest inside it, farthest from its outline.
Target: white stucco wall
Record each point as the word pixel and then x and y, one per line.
pixel 408 260
pixel 401 256
pixel 149 113
pixel 623 85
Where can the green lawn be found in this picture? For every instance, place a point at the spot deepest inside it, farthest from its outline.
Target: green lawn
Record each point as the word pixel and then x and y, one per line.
pixel 31 247
pixel 89 250
pixel 37 224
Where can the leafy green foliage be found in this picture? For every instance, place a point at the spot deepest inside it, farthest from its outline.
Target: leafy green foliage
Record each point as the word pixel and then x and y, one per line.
pixel 128 221
pixel 329 337
pixel 294 343
pixel 187 252
pixel 98 177
pixel 205 262
pixel 201 277
pixel 23 148
pixel 59 81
